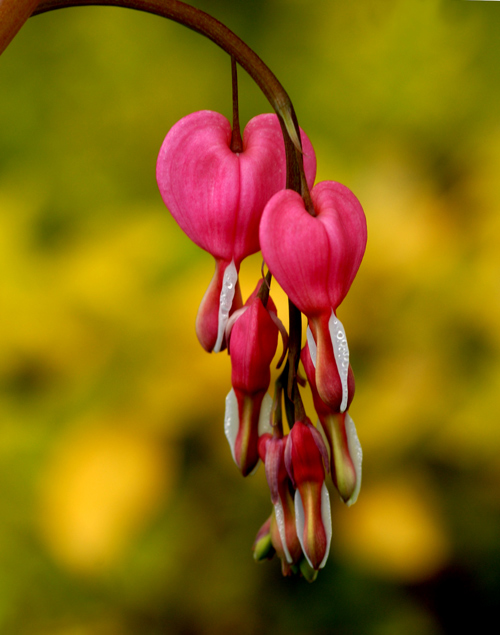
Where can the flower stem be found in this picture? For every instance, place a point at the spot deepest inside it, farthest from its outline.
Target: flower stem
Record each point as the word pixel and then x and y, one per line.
pixel 236 140
pixel 13 14
pixel 211 28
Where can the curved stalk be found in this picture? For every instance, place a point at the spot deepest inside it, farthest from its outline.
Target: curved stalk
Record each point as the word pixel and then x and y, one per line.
pixel 221 35
pixel 13 14
pixel 211 28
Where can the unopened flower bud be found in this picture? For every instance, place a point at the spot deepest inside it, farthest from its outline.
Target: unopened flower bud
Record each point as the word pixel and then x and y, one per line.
pixel 306 457
pixel 283 522
pixel 253 341
pixel 263 547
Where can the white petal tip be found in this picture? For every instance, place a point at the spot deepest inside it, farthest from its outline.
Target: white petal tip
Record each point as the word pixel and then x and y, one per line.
pixel 356 453
pixel 265 426
pixel 231 420
pixel 280 521
pixel 299 523
pixel 226 300
pixel 341 352
pixel 326 516
pixel 312 346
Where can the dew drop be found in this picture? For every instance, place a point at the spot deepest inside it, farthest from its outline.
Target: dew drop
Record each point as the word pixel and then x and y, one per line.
pixel 231 420
pixel 341 352
pixel 225 302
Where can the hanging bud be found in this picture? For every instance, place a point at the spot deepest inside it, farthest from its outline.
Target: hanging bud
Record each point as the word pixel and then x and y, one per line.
pixel 340 435
pixel 315 260
pixel 253 339
pixel 263 546
pixel 217 197
pixel 283 522
pixel 306 457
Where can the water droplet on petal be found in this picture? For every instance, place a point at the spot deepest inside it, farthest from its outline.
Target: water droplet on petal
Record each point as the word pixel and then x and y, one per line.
pixel 231 420
pixel 341 352
pixel 225 302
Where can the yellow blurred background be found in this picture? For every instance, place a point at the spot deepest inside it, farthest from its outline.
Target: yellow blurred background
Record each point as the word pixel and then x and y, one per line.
pixel 121 511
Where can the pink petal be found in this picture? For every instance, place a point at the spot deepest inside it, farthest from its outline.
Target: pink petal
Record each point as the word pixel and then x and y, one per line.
pixel 314 259
pixel 217 196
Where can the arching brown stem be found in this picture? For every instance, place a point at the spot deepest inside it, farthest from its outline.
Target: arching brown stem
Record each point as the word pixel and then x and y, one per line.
pixel 13 14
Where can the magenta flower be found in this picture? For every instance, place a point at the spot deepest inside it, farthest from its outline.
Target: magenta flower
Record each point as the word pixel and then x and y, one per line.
pixel 306 458
pixel 340 435
pixel 315 260
pixel 217 197
pixel 253 339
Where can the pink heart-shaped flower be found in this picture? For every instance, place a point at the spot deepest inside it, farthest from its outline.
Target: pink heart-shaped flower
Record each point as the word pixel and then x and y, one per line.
pixel 217 196
pixel 314 258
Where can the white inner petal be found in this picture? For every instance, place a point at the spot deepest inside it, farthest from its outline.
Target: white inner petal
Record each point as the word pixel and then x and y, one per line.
pixel 299 523
pixel 280 521
pixel 341 352
pixel 312 346
pixel 326 517
pixel 265 415
pixel 231 420
pixel 356 455
pixel 226 300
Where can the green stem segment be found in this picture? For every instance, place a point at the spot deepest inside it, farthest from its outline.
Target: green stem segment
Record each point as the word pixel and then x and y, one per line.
pixel 13 14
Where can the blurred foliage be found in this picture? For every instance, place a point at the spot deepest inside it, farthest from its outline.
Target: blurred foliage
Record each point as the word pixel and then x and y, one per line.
pixel 121 511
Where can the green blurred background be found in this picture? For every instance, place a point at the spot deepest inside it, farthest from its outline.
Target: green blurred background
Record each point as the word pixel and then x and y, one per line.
pixel 121 511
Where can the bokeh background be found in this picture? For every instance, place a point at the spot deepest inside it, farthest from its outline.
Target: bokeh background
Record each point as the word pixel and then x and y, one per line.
pixel 121 512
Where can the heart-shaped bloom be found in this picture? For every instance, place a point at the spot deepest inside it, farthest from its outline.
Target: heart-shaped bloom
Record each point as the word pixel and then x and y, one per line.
pixel 306 457
pixel 217 197
pixel 340 435
pixel 253 340
pixel 315 260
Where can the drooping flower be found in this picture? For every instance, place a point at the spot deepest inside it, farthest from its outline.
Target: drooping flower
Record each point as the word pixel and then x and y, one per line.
pixel 217 197
pixel 282 528
pixel 253 340
pixel 340 434
pixel 306 458
pixel 315 260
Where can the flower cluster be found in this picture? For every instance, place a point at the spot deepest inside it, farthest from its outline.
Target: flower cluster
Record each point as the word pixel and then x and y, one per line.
pixel 233 204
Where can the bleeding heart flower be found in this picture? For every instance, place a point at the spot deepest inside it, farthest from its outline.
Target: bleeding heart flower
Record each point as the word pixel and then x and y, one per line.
pixel 217 197
pixel 253 339
pixel 283 531
pixel 306 458
pixel 315 260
